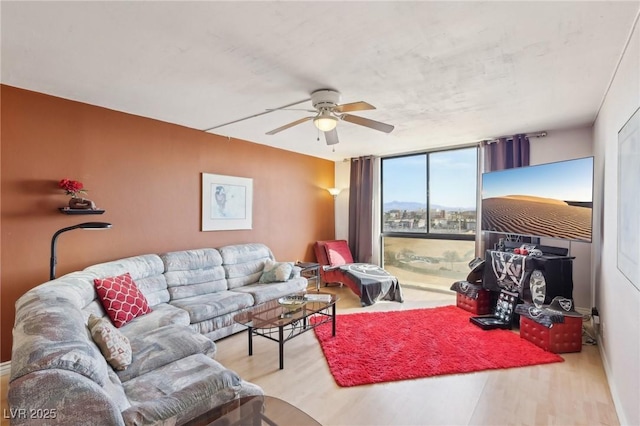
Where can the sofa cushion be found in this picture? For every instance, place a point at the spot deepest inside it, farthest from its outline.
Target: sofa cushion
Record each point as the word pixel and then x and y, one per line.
pixel 179 391
pixel 114 345
pixel 264 292
pixel 193 272
pixel 121 298
pixel 211 305
pixel 275 271
pixel 242 253
pixel 186 260
pixel 162 314
pixel 195 282
pixel 219 327
pixel 338 253
pixel 146 270
pixel 157 348
pixel 244 273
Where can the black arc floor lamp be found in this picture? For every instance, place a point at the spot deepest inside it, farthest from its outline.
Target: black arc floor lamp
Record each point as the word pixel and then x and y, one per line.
pixel 86 225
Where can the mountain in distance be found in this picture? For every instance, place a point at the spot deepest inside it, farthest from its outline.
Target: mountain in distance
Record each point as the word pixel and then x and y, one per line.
pixel 413 206
pixel 403 205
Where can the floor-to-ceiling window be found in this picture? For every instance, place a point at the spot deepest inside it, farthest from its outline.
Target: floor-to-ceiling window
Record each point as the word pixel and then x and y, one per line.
pixel 429 216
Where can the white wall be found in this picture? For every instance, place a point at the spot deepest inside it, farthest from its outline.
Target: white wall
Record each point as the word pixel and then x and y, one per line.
pixel 561 145
pixel 618 301
pixel 343 171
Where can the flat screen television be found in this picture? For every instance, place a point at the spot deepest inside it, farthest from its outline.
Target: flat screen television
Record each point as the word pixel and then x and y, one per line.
pixel 553 200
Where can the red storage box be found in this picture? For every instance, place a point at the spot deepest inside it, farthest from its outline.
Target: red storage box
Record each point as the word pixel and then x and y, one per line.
pixel 560 338
pixel 480 306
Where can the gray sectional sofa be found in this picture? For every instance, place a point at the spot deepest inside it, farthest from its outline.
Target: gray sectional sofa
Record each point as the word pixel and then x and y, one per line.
pixel 59 375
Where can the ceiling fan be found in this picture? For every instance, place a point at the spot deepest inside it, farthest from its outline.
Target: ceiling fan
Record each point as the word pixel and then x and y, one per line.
pixel 329 112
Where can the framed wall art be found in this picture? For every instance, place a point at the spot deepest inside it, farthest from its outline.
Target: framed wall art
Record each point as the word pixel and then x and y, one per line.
pixel 227 202
pixel 628 252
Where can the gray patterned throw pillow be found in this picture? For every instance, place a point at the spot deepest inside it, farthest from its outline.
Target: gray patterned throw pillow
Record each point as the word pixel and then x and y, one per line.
pixel 276 272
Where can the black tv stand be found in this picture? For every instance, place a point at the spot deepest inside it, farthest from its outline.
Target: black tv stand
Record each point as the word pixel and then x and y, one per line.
pixel 509 271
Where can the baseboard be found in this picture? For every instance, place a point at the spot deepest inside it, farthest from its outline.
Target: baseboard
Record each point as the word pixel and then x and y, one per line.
pixel 5 368
pixel 612 389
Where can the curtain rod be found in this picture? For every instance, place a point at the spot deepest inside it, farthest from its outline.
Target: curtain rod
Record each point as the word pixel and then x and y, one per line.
pixel 529 135
pixel 541 134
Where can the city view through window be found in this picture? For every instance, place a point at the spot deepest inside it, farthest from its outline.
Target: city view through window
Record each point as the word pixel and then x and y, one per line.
pixel 432 197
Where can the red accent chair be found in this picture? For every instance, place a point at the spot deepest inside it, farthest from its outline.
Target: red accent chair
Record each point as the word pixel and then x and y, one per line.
pixel 332 253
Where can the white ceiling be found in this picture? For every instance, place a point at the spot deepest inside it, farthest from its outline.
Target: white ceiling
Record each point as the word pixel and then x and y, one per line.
pixel 444 73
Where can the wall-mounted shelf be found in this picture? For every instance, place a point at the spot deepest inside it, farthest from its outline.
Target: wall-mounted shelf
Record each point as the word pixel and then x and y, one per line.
pixel 67 210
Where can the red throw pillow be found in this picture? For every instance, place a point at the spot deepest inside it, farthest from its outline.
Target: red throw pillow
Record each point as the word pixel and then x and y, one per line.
pixel 121 298
pixel 338 253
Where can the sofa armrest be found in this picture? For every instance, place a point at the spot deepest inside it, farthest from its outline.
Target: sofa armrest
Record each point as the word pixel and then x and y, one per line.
pixel 330 268
pixel 296 272
pixel 62 398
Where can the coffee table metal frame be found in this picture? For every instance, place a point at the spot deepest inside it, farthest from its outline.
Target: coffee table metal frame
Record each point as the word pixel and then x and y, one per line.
pixel 272 321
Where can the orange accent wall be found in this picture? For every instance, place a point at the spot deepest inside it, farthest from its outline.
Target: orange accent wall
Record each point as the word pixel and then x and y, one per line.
pixel 146 174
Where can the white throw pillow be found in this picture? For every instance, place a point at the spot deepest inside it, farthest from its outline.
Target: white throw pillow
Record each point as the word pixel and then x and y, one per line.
pixel 114 345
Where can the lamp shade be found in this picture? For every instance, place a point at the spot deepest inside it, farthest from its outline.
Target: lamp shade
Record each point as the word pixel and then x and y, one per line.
pixel 94 225
pixel 325 121
pixel 334 191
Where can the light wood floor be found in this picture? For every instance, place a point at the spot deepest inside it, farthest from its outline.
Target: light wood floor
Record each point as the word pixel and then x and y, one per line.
pixel 573 392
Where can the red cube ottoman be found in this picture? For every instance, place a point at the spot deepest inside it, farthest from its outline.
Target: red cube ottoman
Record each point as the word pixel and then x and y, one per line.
pixel 559 338
pixel 480 306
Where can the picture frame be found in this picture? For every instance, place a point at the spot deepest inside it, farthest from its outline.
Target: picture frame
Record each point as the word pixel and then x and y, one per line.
pixel 227 202
pixel 628 241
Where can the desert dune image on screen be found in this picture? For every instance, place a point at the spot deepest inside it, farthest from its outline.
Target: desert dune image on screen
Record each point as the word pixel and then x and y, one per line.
pixel 550 200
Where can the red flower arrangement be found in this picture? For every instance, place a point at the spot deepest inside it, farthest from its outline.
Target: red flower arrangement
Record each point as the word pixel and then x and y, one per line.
pixel 72 187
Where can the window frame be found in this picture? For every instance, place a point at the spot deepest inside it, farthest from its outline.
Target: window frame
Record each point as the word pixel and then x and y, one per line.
pixel 428 234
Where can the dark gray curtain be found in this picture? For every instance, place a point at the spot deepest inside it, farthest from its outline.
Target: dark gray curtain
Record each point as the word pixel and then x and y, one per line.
pixel 360 209
pixel 507 153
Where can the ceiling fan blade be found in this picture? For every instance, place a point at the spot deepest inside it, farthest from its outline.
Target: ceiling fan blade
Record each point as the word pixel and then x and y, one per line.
pixel 286 126
pixel 372 124
pixel 354 106
pixel 331 137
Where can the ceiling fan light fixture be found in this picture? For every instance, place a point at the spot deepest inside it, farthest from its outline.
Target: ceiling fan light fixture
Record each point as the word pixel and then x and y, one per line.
pixel 325 122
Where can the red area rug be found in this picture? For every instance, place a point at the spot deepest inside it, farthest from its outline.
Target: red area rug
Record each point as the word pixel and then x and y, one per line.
pixel 398 345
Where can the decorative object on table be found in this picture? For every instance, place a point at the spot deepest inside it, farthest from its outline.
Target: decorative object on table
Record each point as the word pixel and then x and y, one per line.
pixel 227 202
pixel 376 347
pixel 76 190
pixel 54 239
pixel 318 297
pixel 292 303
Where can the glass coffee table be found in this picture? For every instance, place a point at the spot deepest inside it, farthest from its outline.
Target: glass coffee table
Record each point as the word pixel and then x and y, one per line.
pixel 275 322
pixel 254 411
